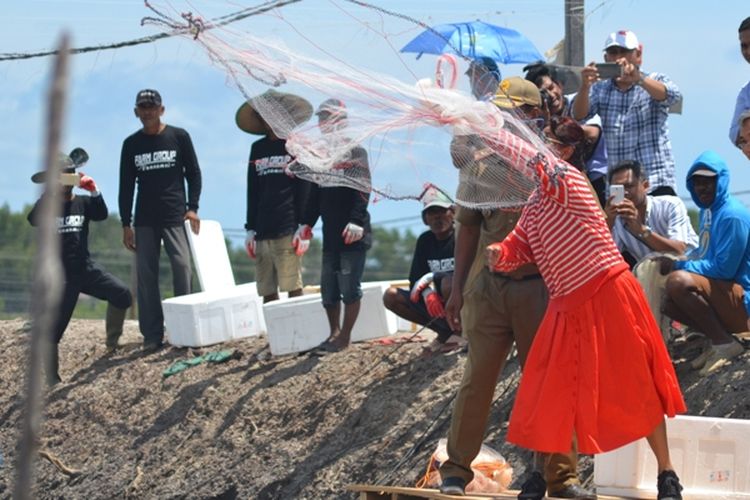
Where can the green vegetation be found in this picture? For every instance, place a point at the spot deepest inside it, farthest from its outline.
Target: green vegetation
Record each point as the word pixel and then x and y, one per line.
pixel 389 258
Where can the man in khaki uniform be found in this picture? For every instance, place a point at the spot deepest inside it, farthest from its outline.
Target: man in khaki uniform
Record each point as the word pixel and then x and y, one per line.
pixel 493 310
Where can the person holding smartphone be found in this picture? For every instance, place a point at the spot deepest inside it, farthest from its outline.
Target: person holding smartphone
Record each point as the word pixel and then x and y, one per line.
pixel 641 223
pixel 634 109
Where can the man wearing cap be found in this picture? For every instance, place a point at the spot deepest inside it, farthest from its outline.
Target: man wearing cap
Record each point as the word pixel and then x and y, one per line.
pixel 642 223
pixel 431 274
pixel 160 158
pixel 634 109
pixel 484 75
pixel 710 292
pixel 492 310
pixel 743 98
pixel 276 199
pixel 82 274
pixel 346 228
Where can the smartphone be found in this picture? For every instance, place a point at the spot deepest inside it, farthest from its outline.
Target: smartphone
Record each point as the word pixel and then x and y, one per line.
pixel 609 70
pixel 618 191
pixel 70 179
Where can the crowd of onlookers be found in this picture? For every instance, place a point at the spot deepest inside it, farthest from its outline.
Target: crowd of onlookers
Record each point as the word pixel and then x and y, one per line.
pixel 612 130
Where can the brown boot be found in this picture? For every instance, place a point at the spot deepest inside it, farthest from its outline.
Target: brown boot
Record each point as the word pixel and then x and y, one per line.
pixel 113 326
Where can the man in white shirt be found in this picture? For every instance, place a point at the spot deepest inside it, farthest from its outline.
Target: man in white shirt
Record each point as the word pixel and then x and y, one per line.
pixel 641 223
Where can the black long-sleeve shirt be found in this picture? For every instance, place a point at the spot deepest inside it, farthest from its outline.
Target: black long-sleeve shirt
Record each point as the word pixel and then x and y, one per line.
pixel 160 164
pixel 431 255
pixel 338 206
pixel 73 227
pixel 275 199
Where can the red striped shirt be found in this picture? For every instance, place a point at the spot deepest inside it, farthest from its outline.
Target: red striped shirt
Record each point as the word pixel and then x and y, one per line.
pixel 563 230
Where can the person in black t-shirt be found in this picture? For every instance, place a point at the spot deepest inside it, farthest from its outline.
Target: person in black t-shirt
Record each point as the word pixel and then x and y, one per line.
pixel 275 197
pixel 432 264
pixel 82 274
pixel 160 158
pixel 346 230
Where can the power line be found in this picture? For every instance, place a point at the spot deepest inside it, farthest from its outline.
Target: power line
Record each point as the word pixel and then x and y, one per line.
pixel 193 25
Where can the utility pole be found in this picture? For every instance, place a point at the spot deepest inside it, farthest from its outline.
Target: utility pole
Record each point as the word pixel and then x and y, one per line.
pixel 573 49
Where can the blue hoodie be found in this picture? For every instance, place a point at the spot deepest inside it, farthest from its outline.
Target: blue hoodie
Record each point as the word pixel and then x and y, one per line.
pixel 724 250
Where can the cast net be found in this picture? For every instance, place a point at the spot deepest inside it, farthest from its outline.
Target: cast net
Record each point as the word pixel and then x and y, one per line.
pixel 415 131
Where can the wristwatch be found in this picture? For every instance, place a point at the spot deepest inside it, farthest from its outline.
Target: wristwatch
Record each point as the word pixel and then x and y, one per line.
pixel 642 77
pixel 645 234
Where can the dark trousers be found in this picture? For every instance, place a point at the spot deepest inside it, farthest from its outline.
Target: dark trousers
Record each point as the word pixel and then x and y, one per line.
pixel 438 325
pixel 147 253
pixel 93 281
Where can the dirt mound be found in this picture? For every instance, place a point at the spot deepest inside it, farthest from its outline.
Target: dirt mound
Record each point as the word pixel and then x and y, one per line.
pixel 281 428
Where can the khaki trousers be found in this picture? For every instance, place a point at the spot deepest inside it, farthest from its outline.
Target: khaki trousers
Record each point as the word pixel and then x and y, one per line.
pixel 497 311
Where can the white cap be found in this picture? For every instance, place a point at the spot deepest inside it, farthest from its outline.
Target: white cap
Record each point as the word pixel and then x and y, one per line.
pixel 704 172
pixel 434 197
pixel 622 38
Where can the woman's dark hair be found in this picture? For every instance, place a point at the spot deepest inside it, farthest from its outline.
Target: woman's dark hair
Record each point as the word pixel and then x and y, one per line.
pixel 745 25
pixel 569 132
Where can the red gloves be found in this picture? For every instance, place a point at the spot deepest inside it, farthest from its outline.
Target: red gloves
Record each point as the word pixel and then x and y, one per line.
pixel 87 183
pixel 432 300
pixel 434 303
pixel 419 286
pixel 250 243
pixel 301 239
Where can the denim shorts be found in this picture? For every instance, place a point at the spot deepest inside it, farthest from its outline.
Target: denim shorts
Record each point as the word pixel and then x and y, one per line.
pixel 341 277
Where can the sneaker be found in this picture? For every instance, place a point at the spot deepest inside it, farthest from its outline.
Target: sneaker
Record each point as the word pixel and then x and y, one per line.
pixel 720 355
pixel 152 346
pixel 534 488
pixel 669 486
pixel 700 361
pixel 454 486
pixel 573 491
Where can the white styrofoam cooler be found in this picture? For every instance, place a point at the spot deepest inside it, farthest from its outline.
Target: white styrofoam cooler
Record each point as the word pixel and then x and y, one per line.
pixel 300 323
pixel 206 318
pixel 222 311
pixel 710 455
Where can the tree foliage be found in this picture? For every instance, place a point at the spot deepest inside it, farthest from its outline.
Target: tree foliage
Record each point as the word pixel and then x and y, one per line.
pixel 389 258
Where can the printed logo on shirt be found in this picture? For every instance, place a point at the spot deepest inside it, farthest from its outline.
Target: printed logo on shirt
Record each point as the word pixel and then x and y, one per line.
pixel 156 160
pixel 70 224
pixel 272 165
pixel 438 265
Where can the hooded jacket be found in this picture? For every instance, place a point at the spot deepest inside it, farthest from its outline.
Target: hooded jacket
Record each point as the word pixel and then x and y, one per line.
pixel 724 249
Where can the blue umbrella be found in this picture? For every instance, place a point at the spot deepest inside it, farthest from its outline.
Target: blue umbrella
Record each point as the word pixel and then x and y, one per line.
pixel 473 40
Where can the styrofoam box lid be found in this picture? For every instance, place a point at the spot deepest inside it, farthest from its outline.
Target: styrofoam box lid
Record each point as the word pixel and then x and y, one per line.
pixel 210 256
pixel 367 288
pixel 205 297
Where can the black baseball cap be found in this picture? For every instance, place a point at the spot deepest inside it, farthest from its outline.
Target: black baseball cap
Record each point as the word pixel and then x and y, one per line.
pixel 148 97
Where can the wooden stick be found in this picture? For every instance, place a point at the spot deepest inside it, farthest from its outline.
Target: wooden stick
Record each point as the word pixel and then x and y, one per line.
pixel 47 286
pixel 59 464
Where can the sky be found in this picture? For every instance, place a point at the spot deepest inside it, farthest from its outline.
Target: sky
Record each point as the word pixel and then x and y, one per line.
pixel 695 45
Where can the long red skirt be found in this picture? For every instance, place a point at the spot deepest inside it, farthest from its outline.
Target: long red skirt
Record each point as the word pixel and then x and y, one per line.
pixel 599 368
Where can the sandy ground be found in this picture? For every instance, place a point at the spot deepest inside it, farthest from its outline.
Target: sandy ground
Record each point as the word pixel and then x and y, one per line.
pixel 295 427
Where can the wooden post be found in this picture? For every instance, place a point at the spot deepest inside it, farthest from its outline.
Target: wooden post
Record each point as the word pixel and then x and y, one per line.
pixel 46 291
pixel 574 26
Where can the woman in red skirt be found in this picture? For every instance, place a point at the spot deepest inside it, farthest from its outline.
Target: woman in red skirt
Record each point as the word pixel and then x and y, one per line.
pixel 598 366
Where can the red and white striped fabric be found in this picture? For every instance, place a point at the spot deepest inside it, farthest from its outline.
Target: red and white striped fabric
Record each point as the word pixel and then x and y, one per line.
pixel 564 232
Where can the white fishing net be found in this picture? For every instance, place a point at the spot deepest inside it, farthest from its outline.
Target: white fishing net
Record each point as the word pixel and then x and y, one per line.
pixel 493 151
